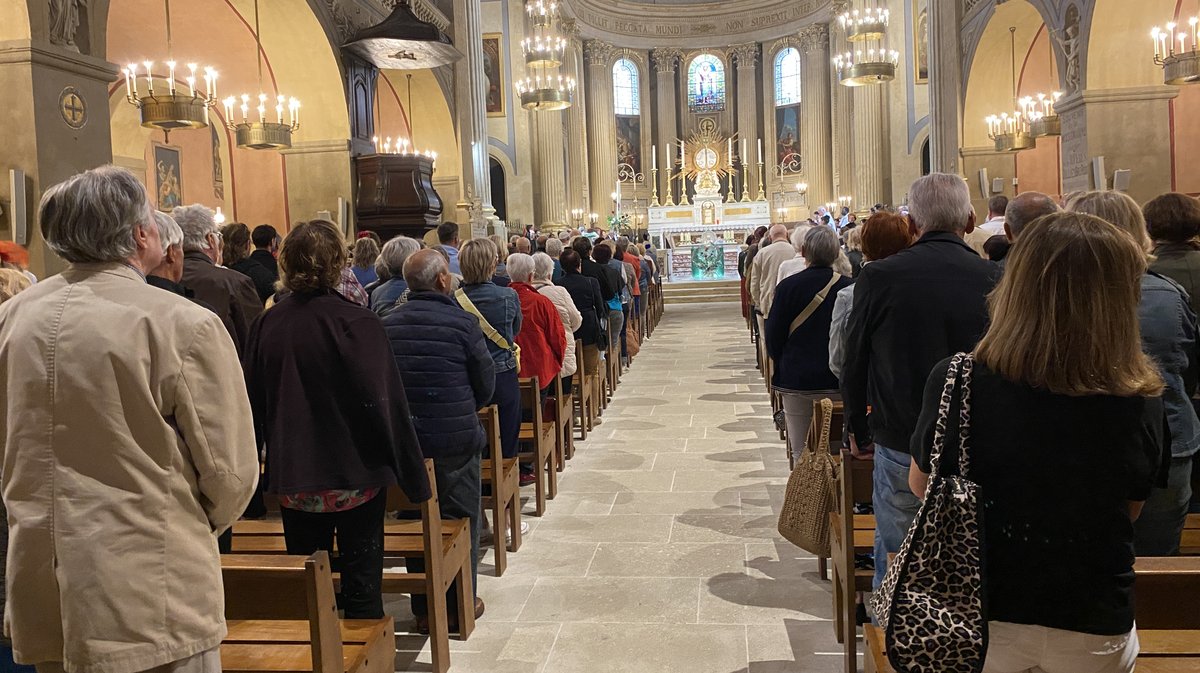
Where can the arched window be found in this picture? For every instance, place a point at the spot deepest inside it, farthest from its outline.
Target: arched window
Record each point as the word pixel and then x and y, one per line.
pixel 626 98
pixel 706 84
pixel 787 77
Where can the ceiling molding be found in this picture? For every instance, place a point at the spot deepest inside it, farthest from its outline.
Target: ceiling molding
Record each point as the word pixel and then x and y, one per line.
pixel 639 25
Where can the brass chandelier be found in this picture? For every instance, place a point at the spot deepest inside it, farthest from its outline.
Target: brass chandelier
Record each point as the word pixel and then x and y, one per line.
pixel 169 108
pixel 1180 64
pixel 262 131
pixel 1011 132
pixel 544 86
pixel 869 61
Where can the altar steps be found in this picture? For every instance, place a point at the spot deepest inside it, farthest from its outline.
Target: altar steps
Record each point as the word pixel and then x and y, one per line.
pixel 702 292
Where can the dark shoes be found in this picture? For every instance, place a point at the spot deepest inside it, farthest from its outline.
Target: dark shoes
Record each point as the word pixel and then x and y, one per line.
pixel 452 620
pixel 527 478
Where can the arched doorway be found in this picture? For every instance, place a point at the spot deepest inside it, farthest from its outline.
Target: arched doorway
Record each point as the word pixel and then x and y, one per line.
pixel 926 161
pixel 499 189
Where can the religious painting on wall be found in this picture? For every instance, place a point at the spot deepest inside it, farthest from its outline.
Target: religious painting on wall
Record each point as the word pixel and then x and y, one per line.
pixel 706 84
pixel 629 141
pixel 787 134
pixel 493 68
pixel 920 13
pixel 168 172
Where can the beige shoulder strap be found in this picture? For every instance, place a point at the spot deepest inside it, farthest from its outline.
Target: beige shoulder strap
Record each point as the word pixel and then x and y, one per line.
pixel 488 331
pixel 814 304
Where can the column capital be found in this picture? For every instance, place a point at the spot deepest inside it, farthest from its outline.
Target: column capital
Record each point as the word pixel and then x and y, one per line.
pixel 666 59
pixel 745 55
pixel 814 38
pixel 569 27
pixel 598 52
pixel 839 7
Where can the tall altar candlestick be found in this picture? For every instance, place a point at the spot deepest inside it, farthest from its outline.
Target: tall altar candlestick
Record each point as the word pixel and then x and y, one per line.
pixel 760 150
pixel 654 156
pixel 729 150
pixel 742 156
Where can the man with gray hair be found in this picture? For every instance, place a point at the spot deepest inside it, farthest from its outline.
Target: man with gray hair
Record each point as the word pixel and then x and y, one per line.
pixel 764 270
pixel 448 375
pixel 129 447
pixel 169 273
pixel 230 293
pixel 554 248
pixel 911 311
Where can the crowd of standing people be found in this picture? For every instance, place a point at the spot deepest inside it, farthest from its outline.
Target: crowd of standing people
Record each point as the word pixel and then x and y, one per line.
pixel 1079 318
pixel 178 370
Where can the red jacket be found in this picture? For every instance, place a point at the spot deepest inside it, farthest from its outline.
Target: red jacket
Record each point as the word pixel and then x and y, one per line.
pixel 542 338
pixel 635 282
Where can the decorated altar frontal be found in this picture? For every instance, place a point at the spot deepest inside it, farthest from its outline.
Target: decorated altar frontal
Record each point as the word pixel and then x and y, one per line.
pixel 702 240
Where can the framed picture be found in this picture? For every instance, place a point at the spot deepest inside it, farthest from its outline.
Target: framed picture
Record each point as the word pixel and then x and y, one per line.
pixel 920 14
pixel 787 135
pixel 493 69
pixel 168 176
pixel 629 141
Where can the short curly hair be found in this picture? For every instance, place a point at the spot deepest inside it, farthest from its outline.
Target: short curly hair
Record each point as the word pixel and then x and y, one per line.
pixel 1173 218
pixel 312 257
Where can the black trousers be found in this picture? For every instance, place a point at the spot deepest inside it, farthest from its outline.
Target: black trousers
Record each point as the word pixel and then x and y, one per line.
pixel 458 488
pixel 359 533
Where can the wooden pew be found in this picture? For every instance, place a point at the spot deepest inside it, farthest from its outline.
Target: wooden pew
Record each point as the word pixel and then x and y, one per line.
pixel 445 545
pixel 563 417
pixel 850 534
pixel 583 386
pixel 502 476
pixel 282 617
pixel 537 441
pixel 1189 544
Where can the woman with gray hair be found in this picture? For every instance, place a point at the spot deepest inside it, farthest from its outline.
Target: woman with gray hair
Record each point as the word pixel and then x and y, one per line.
pixel 797 333
pixel 393 291
pixel 543 269
pixel 798 263
pixel 554 248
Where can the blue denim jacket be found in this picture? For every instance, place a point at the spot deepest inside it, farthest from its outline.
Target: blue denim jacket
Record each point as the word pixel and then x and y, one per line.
pixel 1169 338
pixel 503 310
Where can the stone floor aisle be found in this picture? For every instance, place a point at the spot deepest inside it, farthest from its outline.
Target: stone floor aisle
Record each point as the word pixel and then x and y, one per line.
pixel 660 553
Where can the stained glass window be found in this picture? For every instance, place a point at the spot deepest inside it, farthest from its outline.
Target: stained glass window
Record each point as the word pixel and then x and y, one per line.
pixel 626 98
pixel 706 84
pixel 787 77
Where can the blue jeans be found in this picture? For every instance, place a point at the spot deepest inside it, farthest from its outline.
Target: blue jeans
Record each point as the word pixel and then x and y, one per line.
pixel 8 666
pixel 1157 530
pixel 895 506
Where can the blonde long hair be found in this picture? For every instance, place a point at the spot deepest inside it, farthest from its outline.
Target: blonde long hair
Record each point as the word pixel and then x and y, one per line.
pixel 1064 317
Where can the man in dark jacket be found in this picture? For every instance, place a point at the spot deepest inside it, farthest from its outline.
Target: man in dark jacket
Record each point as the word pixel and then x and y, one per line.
pixel 583 246
pixel 229 292
pixel 585 292
pixel 911 311
pixel 448 376
pixel 266 244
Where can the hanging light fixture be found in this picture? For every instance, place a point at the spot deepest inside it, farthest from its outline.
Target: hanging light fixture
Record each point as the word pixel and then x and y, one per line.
pixel 169 107
pixel 1011 132
pixel 870 61
pixel 404 42
pixel 544 86
pixel 1043 120
pixel 267 132
pixel 1180 64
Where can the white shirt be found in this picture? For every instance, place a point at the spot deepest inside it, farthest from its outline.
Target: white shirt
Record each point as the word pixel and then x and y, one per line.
pixel 994 226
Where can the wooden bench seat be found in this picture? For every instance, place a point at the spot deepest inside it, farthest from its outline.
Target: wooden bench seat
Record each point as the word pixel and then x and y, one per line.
pixel 537 440
pixel 1189 543
pixel 502 478
pixel 282 618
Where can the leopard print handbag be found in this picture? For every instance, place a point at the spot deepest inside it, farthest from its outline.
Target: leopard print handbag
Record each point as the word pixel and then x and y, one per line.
pixel 931 602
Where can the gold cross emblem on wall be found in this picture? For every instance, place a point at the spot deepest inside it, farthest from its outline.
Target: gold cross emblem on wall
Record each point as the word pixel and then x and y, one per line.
pixel 73 108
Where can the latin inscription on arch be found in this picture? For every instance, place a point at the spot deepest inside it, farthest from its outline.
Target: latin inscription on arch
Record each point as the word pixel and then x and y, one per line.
pixel 680 28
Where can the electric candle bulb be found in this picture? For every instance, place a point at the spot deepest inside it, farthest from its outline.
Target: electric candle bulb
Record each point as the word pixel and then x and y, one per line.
pixel 149 77
pixel 171 77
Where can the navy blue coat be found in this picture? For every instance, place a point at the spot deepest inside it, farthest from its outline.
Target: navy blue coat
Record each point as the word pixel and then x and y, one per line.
pixel 447 371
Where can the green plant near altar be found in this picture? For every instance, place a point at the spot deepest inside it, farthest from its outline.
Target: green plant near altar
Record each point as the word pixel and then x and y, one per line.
pixel 616 222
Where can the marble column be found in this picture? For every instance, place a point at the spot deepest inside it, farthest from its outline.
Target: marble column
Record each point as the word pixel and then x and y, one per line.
pixel 470 87
pixel 745 57
pixel 666 62
pixel 576 141
pixel 816 136
pixel 602 125
pixel 842 116
pixel 945 87
pixel 870 147
pixel 549 170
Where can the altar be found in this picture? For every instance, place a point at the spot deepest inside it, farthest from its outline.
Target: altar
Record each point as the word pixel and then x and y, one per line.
pixel 702 240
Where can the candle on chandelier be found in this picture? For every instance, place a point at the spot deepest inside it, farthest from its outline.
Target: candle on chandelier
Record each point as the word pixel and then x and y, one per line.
pixel 128 84
pixel 1182 40
pixel 149 77
pixel 387 145
pixel 1194 22
pixel 245 107
pixel 1154 38
pixel 1167 38
pixel 171 77
pixel 262 107
pixel 375 142
pixel 279 109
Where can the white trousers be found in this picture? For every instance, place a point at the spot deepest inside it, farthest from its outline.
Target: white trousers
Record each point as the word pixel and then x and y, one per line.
pixel 208 661
pixel 1022 648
